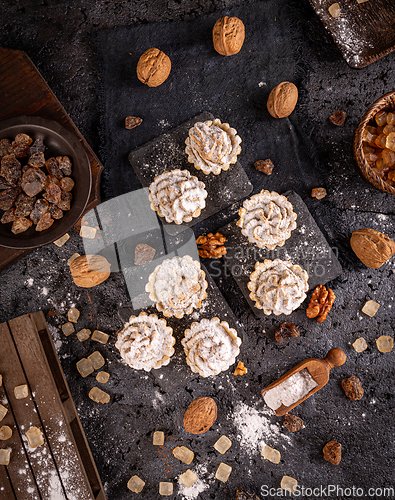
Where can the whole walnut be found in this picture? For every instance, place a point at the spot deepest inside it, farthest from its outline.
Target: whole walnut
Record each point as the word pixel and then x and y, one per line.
pixel 372 247
pixel 88 271
pixel 282 100
pixel 153 67
pixel 228 35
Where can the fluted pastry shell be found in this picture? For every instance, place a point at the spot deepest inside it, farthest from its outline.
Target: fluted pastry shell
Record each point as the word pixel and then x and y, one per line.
pixel 177 286
pixel 278 286
pixel 146 342
pixel 267 219
pixel 177 196
pixel 211 346
pixel 212 146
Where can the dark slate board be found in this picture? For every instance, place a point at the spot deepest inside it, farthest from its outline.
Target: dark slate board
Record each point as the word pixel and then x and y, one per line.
pixel 307 247
pixel 177 373
pixel 167 152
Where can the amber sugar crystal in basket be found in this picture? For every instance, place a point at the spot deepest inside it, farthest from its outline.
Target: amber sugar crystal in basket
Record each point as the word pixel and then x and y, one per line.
pixel 374 144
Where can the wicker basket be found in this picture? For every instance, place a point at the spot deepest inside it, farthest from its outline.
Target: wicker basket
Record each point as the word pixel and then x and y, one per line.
pixel 387 102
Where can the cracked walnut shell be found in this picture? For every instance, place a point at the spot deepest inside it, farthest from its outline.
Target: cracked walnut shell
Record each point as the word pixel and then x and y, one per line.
pixel 200 415
pixel 372 247
pixel 88 271
pixel 282 100
pixel 153 67
pixel 228 35
pixel 321 303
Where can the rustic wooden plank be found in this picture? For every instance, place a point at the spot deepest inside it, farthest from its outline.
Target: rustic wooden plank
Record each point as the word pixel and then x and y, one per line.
pixel 23 485
pixel 6 491
pixel 23 91
pixel 60 438
pixel 69 409
pixel 25 415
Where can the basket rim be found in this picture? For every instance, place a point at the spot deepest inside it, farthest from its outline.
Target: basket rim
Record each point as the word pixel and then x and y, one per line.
pixel 359 157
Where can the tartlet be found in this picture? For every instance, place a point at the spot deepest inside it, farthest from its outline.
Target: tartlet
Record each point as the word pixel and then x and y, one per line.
pixel 212 146
pixel 146 342
pixel 177 196
pixel 211 346
pixel 267 219
pixel 177 286
pixel 278 286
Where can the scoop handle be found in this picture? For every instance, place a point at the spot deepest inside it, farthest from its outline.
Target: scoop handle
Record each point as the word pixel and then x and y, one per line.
pixel 335 357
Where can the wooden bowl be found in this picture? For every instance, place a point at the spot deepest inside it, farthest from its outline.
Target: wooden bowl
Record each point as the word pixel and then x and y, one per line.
pixel 387 103
pixel 59 142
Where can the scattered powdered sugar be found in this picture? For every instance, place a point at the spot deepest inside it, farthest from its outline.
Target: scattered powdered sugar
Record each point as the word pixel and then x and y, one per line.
pixel 198 486
pixel 193 491
pixel 254 428
pixel 29 282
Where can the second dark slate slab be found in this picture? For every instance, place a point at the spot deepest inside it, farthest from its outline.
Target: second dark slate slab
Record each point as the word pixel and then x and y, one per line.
pixel 177 373
pixel 307 247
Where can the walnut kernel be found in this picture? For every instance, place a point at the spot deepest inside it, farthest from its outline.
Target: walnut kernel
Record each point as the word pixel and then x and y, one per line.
pixel 321 303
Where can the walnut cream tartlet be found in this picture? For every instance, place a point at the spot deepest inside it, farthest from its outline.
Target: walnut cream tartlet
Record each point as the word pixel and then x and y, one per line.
pixel 278 286
pixel 178 285
pixel 146 342
pixel 177 196
pixel 267 219
pixel 211 346
pixel 212 146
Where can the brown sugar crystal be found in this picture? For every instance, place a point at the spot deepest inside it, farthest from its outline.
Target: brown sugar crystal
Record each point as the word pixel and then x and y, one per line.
pixel 211 246
pixel 292 422
pixel 319 193
pixel 286 331
pixel 333 452
pixel 321 303
pixel 265 166
pixel 338 117
pixel 132 122
pixel 352 388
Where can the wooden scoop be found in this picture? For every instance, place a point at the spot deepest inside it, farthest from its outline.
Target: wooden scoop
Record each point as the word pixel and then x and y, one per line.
pixel 318 368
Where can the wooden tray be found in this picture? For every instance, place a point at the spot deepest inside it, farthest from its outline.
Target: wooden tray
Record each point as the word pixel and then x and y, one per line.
pixel 23 91
pixel 364 32
pixel 63 467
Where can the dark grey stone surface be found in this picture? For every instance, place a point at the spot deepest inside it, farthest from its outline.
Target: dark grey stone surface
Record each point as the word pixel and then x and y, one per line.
pixel 59 40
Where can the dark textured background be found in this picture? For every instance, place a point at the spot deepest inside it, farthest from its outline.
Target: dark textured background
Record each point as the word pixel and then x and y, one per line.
pixel 59 40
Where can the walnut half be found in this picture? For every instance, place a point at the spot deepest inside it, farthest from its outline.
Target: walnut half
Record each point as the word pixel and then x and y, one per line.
pixel 211 246
pixel 321 303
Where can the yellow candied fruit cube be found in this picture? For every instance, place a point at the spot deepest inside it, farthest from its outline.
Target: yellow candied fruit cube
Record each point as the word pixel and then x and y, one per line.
pixel 381 118
pixel 369 137
pixel 381 140
pixel 388 157
pixel 390 141
pixel 380 164
pixel 391 118
pixel 391 175
pixel 388 129
pixel 334 10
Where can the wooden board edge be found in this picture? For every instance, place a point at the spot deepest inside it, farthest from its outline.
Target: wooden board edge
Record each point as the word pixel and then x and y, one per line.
pixel 68 406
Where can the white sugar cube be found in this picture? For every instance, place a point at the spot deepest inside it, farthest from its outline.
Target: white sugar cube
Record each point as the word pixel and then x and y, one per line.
pixel 223 444
pixel 159 438
pixel 135 484
pixel 223 472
